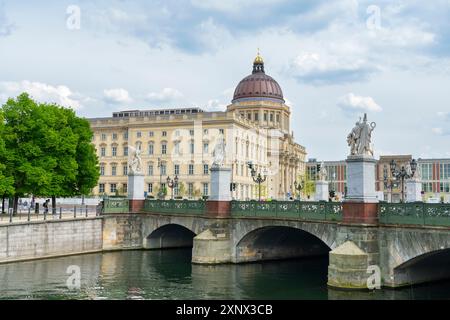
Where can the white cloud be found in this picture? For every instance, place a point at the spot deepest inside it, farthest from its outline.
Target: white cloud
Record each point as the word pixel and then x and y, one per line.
pixel 444 115
pixel 117 96
pixel 42 92
pixel 353 103
pixel 166 95
pixel 438 131
pixel 215 105
pixel 231 6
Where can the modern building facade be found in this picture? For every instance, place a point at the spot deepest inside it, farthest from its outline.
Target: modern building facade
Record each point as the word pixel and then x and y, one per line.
pixel 180 142
pixel 434 173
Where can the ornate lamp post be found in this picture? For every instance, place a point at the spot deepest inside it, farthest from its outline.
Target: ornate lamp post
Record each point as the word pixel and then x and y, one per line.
pixel 257 178
pixel 160 192
pixel 332 191
pixel 403 173
pixel 172 183
pixel 298 186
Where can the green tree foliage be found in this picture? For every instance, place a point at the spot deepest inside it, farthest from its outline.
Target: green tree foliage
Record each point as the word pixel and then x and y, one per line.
pixel 6 180
pixel 50 149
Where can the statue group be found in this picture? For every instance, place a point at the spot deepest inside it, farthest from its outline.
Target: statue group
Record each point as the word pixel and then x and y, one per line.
pixel 360 138
pixel 135 160
pixel 219 152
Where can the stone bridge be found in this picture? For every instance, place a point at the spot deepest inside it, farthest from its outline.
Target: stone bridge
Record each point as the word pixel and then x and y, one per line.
pixel 406 254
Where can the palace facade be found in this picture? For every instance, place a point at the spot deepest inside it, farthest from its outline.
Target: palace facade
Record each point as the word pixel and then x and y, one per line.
pixel 180 142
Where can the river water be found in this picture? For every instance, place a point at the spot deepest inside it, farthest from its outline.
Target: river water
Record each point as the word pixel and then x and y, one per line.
pixel 169 274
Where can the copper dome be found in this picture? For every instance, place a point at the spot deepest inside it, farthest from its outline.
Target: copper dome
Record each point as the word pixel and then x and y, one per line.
pixel 258 85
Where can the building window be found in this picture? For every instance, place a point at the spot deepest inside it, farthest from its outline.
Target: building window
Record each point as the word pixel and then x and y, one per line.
pixel 176 169
pixel 271 117
pixel 191 148
pixel 138 134
pixel 163 169
pixel 206 148
pixel 164 148
pixel 221 131
pixel 444 187
pixel 125 151
pixel 101 188
pixel 265 116
pixel 151 134
pixel 190 190
pixel 113 188
pixel 114 151
pixel 150 188
pixel 427 171
pixel 191 133
pixel 164 133
pixel 125 136
pixel 150 170
pixel 445 171
pixel 102 170
pixel 177 133
pixel 278 118
pixel 205 169
pixel 114 170
pixel 103 152
pixel 427 187
pixel 103 137
pixel 177 147
pixel 114 136
pixel 151 149
pixel 205 189
pixel 205 131
pixel 191 169
pixel 125 188
pixel 125 170
pixel 256 117
pixel 176 190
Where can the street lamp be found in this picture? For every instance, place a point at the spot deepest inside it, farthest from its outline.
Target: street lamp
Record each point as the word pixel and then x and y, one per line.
pixel 298 186
pixel 160 192
pixel 332 192
pixel 389 184
pixel 172 183
pixel 403 173
pixel 257 178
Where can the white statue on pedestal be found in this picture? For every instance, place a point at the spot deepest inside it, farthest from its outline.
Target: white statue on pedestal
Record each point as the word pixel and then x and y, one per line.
pixel 323 172
pixel 360 138
pixel 219 152
pixel 135 160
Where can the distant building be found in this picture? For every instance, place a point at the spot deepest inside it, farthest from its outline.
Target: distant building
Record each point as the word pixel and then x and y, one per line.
pixel 435 177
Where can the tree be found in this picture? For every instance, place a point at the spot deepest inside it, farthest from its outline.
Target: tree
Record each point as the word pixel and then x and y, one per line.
pixel 181 189
pixel 6 180
pixel 50 151
pixel 309 187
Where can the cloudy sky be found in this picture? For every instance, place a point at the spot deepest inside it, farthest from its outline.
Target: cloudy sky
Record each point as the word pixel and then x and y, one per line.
pixel 334 60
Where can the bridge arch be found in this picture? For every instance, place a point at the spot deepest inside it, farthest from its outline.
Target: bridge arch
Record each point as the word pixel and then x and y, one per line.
pixel 170 235
pixel 273 242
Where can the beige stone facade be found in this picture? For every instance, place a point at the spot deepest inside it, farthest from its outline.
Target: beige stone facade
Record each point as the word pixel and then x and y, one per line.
pixel 180 142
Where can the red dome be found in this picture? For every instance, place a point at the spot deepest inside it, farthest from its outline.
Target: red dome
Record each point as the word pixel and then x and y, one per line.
pixel 258 85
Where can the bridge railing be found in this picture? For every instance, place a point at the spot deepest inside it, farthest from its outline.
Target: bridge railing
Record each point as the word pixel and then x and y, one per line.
pixel 324 211
pixel 115 205
pixel 418 213
pixel 195 207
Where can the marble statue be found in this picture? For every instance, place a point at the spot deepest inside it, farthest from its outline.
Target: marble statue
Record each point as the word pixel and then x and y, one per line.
pixel 135 160
pixel 323 172
pixel 360 138
pixel 219 152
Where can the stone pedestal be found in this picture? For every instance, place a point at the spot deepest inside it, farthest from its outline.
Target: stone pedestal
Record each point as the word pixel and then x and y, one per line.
pixel 218 204
pixel 361 202
pixel 322 193
pixel 348 267
pixel 136 194
pixel 413 191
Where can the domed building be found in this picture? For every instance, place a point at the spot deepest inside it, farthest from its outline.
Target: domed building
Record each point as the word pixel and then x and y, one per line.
pixel 180 142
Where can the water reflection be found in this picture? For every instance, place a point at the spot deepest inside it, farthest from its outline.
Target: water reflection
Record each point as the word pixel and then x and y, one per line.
pixel 169 274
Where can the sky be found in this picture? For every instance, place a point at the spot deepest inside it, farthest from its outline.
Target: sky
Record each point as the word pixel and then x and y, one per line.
pixel 334 60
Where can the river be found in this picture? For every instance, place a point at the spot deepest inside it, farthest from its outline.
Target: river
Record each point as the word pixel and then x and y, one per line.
pixel 169 274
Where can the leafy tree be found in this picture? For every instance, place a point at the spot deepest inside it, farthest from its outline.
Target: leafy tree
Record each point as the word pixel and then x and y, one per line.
pixel 6 180
pixel 50 151
pixel 309 187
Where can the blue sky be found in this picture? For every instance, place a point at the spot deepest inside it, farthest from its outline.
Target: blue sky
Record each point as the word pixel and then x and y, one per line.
pixel 333 59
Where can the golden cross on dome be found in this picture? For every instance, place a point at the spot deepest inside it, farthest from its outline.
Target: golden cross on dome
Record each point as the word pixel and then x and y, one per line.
pixel 258 58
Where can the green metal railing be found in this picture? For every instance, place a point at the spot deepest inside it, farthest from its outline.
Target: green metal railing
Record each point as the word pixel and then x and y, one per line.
pixel 424 214
pixel 115 205
pixel 194 207
pixel 325 211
